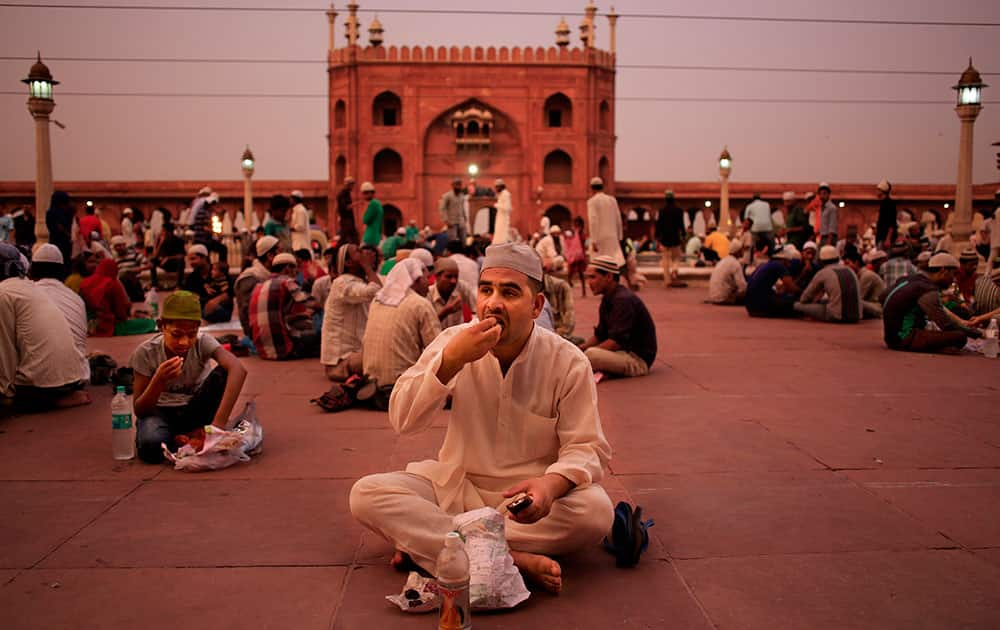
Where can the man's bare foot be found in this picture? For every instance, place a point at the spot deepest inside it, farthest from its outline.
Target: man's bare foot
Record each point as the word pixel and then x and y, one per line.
pixel 401 561
pixel 75 399
pixel 539 569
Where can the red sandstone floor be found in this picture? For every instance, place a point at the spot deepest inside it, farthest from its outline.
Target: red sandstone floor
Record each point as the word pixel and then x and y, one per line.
pixel 801 476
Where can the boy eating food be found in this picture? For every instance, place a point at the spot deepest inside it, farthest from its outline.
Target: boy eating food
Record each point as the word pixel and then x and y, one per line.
pixel 176 390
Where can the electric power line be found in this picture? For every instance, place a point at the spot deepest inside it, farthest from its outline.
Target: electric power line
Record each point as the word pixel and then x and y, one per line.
pixel 412 11
pixel 664 99
pixel 639 66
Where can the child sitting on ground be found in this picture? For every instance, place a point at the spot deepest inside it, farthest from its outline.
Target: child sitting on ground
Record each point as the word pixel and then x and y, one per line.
pixel 219 291
pixel 173 393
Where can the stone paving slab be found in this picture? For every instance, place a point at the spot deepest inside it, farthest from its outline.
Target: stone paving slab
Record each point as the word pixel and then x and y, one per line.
pixel 908 589
pixel 773 513
pixel 277 598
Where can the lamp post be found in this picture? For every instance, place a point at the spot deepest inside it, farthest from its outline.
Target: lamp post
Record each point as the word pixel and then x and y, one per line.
pixel 725 167
pixel 247 164
pixel 41 104
pixel 969 91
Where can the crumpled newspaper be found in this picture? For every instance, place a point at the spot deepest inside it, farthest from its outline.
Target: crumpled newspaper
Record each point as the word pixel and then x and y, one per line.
pixel 494 581
pixel 222 448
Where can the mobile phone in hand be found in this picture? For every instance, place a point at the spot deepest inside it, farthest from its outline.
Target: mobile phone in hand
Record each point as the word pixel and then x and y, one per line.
pixel 519 504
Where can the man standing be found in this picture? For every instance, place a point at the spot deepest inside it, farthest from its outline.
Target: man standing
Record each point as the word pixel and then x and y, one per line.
pixel 59 221
pixel 827 216
pixel 840 287
pixel 401 323
pixel 345 213
pixel 345 314
pixel 449 295
pixel 504 206
pixel 797 228
pixel 372 217
pixel 605 223
pixel 524 421
pixel 728 284
pixel 758 212
pixel 624 340
pixel 670 234
pixel 128 230
pixel 453 211
pixel 202 226
pixel 300 224
pixel 916 299
pixel 885 228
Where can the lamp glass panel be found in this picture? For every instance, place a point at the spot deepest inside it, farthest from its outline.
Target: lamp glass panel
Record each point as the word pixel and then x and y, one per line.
pixel 725 163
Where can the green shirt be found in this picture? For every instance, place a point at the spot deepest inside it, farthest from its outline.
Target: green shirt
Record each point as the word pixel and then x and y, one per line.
pixel 373 223
pixel 279 231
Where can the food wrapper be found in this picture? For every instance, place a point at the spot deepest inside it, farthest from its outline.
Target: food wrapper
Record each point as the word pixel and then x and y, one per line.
pixel 420 594
pixel 494 581
pixel 221 448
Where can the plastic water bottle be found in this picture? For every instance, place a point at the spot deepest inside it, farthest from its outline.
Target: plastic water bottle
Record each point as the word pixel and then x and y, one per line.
pixel 453 585
pixel 991 344
pixel 153 302
pixel 122 426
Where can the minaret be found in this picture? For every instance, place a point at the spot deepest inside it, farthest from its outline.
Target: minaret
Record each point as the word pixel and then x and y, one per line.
pixel 352 24
pixel 331 17
pixel 375 31
pixel 591 12
pixel 562 33
pixel 612 20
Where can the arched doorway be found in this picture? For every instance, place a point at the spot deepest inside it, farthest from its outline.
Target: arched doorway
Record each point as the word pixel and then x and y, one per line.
pixel 339 171
pixel 392 219
pixel 483 220
pixel 559 215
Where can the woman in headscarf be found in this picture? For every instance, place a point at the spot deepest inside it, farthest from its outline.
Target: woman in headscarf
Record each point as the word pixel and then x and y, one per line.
pixel 105 298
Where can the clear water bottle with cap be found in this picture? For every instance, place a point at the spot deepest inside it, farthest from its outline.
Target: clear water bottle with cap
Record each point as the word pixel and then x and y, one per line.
pixel 453 584
pixel 122 426
pixel 991 341
pixel 153 303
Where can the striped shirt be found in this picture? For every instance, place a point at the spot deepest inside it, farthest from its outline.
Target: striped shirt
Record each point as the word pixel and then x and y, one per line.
pixel 278 308
pixel 396 336
pixel 987 294
pixel 896 268
pixel 130 262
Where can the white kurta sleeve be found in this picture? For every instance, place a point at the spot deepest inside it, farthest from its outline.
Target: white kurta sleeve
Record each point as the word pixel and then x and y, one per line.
pixel 583 449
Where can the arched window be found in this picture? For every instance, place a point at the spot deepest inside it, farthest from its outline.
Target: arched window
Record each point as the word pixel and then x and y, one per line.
pixel 604 170
pixel 558 111
pixel 339 170
pixel 387 166
pixel 559 215
pixel 473 128
pixel 339 115
pixel 604 116
pixel 387 110
pixel 558 168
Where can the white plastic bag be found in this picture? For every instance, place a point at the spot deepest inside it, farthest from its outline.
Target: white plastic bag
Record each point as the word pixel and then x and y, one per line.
pixel 494 581
pixel 222 448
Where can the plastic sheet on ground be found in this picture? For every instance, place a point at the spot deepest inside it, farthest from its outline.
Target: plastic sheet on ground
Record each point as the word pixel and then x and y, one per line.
pixel 222 448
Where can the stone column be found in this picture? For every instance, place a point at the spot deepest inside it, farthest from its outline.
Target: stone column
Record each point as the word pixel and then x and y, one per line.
pixel 40 110
pixel 724 207
pixel 961 226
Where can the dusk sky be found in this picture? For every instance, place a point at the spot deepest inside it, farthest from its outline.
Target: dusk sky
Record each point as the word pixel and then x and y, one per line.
pixel 202 137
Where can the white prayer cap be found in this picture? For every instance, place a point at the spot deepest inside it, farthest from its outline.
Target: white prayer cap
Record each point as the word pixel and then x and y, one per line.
pixel 265 244
pixel 199 249
pixel 877 254
pixel 735 246
pixel 788 196
pixel 810 245
pixel 284 258
pixel 48 253
pixel 424 256
pixel 499 182
pixel 943 260
pixel 297 193
pixel 884 185
pixel 367 187
pixel 823 185
pixel 828 253
pixel 922 256
pixel 348 180
pixel 605 263
pixel 213 198
pixel 555 229
pixel 118 239
pixel 792 252
pixel 127 211
pixel 596 181
pixel 205 191
pixel 401 232
pixel 516 256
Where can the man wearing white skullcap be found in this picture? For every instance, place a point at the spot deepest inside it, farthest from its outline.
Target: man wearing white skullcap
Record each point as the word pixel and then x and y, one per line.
pixel 605 223
pixel 728 283
pixel 265 249
pixel 885 228
pixel 524 421
pixel 915 300
pixel 833 294
pixel 299 225
pixel 49 272
pixel 504 206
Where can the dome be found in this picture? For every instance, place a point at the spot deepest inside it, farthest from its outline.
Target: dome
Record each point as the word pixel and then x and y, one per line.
pixel 971 76
pixel 40 72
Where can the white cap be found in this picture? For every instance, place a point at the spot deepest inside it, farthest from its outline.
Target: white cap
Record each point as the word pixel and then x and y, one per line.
pixel 499 182
pixel 943 260
pixel 884 185
pixel 213 198
pixel 788 196
pixel 127 211
pixel 597 181
pixel 205 191
pixel 823 185
pixel 810 245
pixel 48 253
pixel 828 252
pixel 265 244
pixel 555 229
pixel 284 258
pixel 367 187
pixel 118 239
pixel 198 249
pixel 298 193
pixel 401 232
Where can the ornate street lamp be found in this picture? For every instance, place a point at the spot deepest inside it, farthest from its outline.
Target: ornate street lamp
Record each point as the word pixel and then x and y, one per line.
pixel 969 92
pixel 41 104
pixel 247 164
pixel 725 168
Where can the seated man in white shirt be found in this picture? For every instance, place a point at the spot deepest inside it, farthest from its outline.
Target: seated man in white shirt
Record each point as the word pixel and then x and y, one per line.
pixel 49 272
pixel 524 421
pixel 728 284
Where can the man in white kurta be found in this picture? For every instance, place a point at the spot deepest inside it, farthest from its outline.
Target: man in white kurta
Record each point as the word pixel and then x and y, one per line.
pixel 524 419
pixel 605 223
pixel 300 224
pixel 49 271
pixel 501 226
pixel 728 284
pixel 345 313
